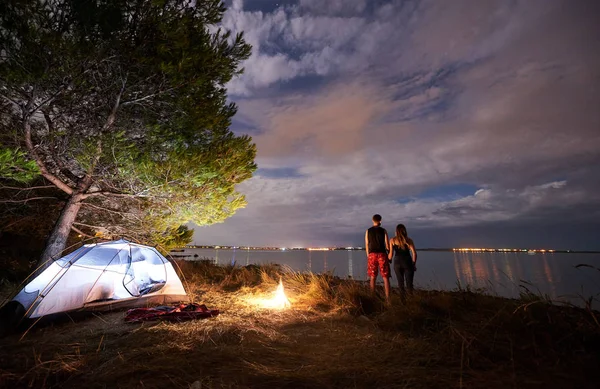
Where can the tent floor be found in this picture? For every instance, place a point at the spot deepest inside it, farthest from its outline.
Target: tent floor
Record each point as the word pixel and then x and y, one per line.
pixel 11 314
pixel 134 302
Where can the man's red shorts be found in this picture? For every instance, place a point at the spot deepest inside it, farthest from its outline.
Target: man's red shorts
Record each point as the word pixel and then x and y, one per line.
pixel 378 261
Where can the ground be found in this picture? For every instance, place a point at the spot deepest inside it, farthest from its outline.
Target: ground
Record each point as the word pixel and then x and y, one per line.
pixel 336 334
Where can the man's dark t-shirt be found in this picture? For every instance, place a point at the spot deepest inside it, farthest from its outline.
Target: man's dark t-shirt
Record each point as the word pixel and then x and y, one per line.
pixel 376 240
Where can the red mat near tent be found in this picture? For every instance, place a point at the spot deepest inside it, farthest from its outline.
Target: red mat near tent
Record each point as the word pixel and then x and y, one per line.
pixel 182 312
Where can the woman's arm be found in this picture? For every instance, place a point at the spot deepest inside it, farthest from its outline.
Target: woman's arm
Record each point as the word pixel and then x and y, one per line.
pixel 391 249
pixel 413 253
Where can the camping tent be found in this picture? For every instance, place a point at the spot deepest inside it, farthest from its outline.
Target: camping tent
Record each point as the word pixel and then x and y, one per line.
pixel 102 276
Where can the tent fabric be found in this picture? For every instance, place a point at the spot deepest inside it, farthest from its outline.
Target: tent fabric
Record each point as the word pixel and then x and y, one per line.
pixel 182 312
pixel 102 274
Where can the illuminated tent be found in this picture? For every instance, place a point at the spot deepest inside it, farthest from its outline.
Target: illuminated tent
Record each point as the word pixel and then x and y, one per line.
pixel 102 276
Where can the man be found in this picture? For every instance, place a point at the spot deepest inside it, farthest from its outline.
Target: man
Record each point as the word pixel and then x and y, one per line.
pixel 376 244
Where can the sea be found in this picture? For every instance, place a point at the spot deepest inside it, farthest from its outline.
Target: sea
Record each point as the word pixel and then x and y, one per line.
pixel 569 277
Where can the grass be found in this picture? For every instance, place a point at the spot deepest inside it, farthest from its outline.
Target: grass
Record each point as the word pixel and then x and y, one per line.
pixel 337 334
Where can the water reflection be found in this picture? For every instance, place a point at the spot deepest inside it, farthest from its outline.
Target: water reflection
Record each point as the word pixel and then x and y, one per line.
pixel 521 274
pixel 552 276
pixel 506 274
pixel 350 270
pixel 547 270
pixel 495 270
pixel 507 269
pixel 481 270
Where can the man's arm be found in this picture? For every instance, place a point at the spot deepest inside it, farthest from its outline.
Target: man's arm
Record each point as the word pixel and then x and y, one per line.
pixel 387 241
pixel 367 241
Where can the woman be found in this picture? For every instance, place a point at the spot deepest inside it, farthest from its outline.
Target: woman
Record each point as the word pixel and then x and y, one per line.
pixel 402 248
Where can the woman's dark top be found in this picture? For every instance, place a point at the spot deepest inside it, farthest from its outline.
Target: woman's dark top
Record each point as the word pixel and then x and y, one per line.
pixel 376 240
pixel 402 257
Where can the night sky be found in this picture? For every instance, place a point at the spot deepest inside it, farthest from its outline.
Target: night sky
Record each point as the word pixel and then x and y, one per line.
pixel 475 123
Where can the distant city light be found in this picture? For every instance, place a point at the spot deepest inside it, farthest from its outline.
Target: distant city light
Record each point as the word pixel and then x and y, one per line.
pixel 469 249
pixel 458 249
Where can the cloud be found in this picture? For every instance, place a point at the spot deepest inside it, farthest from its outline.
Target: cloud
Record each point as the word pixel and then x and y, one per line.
pixel 292 42
pixel 369 107
pixel 342 217
pixel 330 124
pixel 277 36
pixel 334 7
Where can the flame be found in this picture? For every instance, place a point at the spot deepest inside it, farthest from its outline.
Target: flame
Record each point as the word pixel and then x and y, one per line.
pixel 280 296
pixel 278 301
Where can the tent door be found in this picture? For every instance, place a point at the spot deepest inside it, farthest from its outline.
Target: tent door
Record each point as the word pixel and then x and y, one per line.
pixel 146 272
pixel 129 283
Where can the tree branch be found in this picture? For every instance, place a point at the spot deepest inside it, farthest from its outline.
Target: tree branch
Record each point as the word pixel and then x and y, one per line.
pixel 113 113
pixel 113 230
pixel 59 163
pixel 110 194
pixel 48 121
pixel 89 226
pixel 134 101
pixel 109 122
pixel 27 188
pixel 9 100
pixel 77 230
pixel 120 213
pixel 28 199
pixel 38 160
pixel 49 99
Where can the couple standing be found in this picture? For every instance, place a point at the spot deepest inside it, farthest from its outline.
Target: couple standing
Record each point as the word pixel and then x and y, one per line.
pixel 381 250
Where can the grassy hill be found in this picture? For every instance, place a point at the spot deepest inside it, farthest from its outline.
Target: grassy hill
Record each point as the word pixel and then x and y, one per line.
pixel 336 334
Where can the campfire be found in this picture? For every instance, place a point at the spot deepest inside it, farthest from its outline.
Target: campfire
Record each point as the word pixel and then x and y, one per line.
pixel 278 301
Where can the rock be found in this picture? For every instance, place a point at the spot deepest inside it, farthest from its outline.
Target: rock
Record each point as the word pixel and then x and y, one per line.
pixel 196 385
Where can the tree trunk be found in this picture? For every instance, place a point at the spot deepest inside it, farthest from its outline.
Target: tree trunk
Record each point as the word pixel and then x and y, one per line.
pixel 60 233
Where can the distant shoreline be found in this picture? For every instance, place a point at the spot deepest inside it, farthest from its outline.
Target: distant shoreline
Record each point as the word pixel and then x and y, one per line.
pixel 458 250
pixel 518 251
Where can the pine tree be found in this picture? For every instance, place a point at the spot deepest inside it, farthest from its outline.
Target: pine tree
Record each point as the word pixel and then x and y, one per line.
pixel 122 106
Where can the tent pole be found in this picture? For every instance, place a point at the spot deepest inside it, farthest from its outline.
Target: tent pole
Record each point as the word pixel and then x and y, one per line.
pixel 103 271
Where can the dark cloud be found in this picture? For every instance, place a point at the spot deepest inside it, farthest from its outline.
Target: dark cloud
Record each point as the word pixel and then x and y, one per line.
pixel 453 117
pixel 288 172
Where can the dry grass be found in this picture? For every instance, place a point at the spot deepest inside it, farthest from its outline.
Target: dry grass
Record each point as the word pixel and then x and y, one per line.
pixel 335 335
